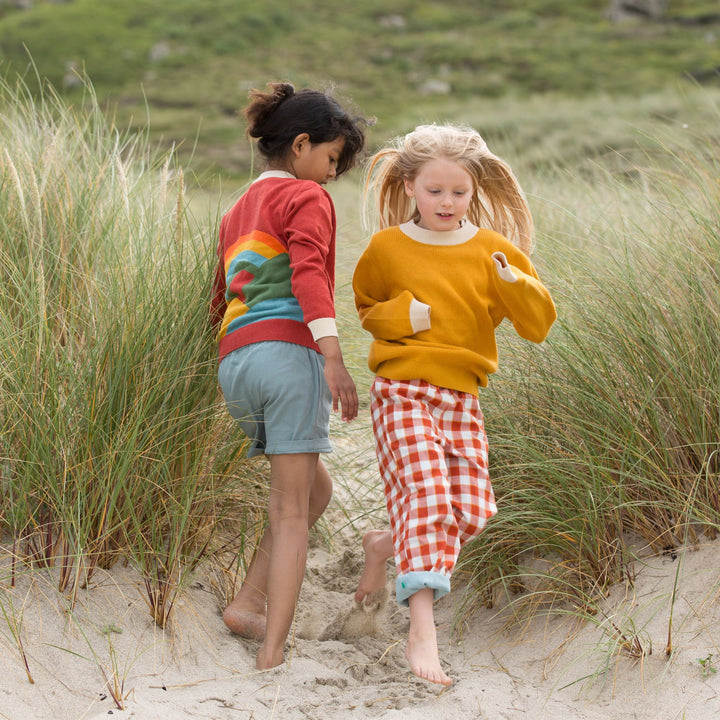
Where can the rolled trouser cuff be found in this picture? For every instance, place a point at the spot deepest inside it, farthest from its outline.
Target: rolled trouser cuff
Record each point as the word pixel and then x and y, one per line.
pixel 409 584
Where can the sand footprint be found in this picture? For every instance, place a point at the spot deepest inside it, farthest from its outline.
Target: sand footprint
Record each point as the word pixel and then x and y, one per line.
pixel 358 621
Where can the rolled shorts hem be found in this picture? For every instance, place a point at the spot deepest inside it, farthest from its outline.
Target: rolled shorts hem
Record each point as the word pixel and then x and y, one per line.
pixel 408 584
pixel 294 448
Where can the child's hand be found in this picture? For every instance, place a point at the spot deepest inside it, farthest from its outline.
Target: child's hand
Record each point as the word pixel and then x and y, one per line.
pixel 342 388
pixel 338 378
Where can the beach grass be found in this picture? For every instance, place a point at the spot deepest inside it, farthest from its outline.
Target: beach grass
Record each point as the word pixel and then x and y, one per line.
pixel 115 447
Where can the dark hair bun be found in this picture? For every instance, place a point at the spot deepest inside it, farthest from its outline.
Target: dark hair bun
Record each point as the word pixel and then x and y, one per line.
pixel 264 104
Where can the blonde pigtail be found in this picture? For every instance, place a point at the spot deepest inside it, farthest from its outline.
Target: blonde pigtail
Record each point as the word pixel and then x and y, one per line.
pixel 501 204
pixel 384 186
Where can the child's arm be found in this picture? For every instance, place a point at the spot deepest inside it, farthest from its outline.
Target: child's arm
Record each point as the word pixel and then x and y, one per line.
pixel 393 319
pixel 386 318
pixel 530 307
pixel 311 226
pixel 309 232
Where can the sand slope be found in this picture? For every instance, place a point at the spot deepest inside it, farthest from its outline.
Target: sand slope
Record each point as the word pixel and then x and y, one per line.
pixel 347 663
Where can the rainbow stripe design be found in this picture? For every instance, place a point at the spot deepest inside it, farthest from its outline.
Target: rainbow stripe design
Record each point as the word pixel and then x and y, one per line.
pixel 258 280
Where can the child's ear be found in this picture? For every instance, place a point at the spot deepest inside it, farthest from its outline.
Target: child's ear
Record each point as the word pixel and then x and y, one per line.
pixel 409 188
pixel 298 142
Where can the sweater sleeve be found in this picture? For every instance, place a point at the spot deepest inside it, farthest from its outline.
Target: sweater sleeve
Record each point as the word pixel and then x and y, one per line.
pixel 385 318
pixel 311 247
pixel 529 304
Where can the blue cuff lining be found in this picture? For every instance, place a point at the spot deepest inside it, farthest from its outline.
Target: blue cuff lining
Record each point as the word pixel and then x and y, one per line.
pixel 407 585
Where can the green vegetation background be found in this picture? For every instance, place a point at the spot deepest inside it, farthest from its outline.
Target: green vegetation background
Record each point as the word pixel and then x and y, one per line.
pixel 184 66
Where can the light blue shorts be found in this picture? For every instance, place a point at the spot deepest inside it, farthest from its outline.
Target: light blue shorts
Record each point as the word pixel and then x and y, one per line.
pixel 277 392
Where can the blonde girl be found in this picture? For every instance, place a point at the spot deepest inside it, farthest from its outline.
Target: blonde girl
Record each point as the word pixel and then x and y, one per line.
pixel 448 265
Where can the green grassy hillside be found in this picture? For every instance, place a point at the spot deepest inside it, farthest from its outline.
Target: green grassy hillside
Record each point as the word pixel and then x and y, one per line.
pixel 186 65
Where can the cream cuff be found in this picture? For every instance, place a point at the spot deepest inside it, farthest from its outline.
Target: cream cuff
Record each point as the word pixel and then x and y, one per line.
pixel 503 268
pixel 419 316
pixel 323 327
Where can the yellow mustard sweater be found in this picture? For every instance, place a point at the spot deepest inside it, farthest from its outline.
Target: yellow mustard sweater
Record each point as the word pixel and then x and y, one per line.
pixel 432 301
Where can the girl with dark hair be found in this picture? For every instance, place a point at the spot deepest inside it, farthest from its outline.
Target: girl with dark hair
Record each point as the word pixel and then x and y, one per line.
pixel 281 367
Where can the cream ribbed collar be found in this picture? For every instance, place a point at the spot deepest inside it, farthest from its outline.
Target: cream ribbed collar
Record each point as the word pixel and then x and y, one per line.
pixel 436 237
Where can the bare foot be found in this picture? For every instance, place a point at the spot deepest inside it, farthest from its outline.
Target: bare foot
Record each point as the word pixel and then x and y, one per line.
pixel 422 654
pixel 378 549
pixel 248 623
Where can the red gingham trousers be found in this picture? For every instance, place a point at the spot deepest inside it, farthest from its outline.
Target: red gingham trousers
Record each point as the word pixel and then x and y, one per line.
pixel 433 456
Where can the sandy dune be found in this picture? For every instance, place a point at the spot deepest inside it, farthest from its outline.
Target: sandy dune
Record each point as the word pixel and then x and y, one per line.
pixel 348 663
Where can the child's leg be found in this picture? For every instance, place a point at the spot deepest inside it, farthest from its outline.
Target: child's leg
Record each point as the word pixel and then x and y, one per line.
pixel 292 480
pixel 466 460
pixel 412 461
pixel 378 548
pixel 422 648
pixel 245 615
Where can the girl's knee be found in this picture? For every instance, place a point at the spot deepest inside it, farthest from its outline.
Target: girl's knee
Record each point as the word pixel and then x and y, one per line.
pixel 470 528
